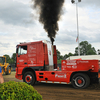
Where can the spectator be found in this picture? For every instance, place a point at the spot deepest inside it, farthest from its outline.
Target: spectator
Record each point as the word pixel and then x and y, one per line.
pixel 1 77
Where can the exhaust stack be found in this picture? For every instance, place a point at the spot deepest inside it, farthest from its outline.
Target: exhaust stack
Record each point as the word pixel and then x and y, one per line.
pixel 50 67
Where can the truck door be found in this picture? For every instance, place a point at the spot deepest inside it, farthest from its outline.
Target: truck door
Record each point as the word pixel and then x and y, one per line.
pixel 22 56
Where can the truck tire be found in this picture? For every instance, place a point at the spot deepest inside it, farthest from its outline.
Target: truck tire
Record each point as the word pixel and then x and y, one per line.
pixel 8 72
pixel 80 80
pixel 29 78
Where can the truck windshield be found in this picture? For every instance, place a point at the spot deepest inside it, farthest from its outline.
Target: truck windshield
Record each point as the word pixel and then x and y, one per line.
pixel 22 50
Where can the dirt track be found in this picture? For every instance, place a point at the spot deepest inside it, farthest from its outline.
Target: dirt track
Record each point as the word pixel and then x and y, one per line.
pixel 62 91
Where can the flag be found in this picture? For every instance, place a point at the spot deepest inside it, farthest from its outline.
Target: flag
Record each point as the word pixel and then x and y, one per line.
pixel 77 39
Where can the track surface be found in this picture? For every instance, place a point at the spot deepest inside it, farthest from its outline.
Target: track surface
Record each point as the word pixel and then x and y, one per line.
pixel 62 91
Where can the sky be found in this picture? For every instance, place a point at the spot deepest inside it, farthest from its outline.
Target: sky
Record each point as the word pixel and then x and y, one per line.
pixel 19 23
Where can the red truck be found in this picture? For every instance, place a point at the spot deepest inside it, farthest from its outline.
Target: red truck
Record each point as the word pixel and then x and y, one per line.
pixel 37 61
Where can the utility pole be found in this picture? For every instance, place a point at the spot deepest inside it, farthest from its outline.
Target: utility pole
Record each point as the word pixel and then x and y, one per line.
pixel 76 2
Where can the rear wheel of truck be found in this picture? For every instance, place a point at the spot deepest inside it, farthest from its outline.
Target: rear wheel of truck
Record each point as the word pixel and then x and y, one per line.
pixel 29 78
pixel 80 80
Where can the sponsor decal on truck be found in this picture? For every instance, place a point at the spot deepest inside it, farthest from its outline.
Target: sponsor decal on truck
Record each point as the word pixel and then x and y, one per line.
pixel 60 75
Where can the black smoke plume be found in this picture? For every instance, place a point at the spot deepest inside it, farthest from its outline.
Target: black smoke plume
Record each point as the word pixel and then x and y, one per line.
pixel 50 12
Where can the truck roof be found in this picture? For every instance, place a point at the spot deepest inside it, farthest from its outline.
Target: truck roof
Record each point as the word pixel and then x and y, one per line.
pixel 26 43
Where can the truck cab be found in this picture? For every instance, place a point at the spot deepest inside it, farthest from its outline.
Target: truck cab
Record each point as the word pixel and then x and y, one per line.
pixel 35 56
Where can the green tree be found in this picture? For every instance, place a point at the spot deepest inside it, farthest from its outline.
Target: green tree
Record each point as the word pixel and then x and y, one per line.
pixel 10 60
pixel 68 55
pixel 7 58
pixel 13 58
pixel 98 51
pixel 85 49
pixel 58 54
pixel 59 57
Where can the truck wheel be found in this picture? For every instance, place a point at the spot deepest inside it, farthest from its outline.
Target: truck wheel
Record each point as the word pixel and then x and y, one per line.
pixel 8 71
pixel 80 80
pixel 29 78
